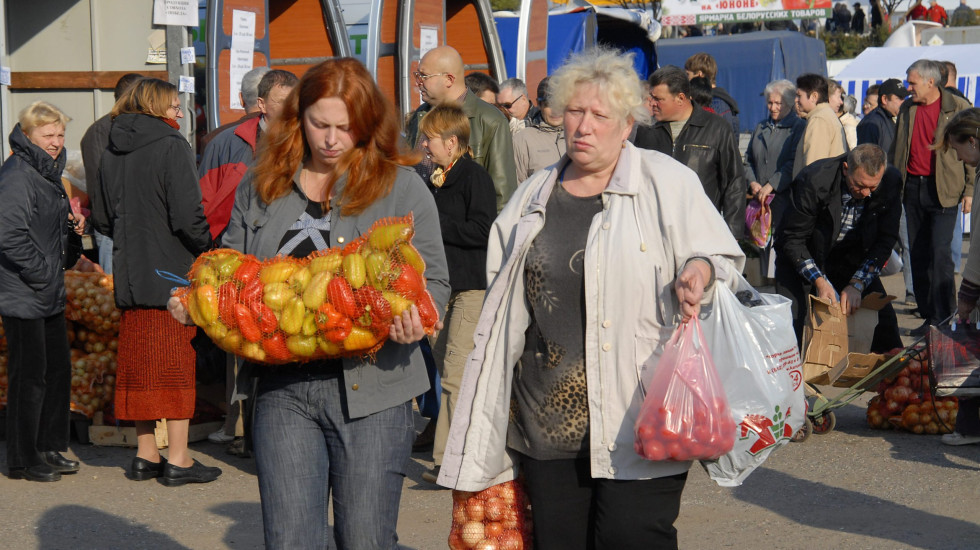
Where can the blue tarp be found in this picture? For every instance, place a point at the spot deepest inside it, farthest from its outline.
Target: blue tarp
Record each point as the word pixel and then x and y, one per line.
pixel 567 33
pixel 747 62
pixel 572 32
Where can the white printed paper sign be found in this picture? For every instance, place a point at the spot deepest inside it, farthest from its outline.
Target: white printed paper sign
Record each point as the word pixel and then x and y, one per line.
pixel 242 52
pixel 175 12
pixel 187 56
pixel 186 84
pixel 4 76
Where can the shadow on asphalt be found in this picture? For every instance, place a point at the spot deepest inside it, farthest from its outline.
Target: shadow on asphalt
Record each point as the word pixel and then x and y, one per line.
pixel 244 529
pixel 83 527
pixel 840 510
pixel 905 446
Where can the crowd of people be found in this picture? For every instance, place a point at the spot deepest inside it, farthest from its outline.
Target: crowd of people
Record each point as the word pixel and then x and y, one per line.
pixel 565 234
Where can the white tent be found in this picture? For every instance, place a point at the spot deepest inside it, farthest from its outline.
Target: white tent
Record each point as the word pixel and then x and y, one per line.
pixel 875 65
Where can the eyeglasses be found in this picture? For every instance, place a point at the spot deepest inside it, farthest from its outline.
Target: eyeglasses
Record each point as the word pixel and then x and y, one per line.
pixel 511 104
pixel 422 77
pixel 176 108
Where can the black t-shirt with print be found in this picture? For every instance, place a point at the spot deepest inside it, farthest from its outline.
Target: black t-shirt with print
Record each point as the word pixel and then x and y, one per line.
pixel 549 410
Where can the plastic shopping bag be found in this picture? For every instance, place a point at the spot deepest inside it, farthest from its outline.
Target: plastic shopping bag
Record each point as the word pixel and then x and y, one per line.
pixel 685 415
pixel 760 372
pixel 496 517
pixel 758 220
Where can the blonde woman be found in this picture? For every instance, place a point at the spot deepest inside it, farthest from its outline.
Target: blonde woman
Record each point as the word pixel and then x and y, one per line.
pixel 590 265
pixel 149 202
pixel 465 198
pixel 35 226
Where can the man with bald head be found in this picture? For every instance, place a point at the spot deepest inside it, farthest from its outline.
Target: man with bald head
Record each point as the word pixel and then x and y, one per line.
pixel 440 80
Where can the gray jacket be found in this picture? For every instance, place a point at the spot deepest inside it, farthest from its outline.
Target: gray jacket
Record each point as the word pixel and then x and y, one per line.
pixel 772 150
pixel 397 373
pixel 537 147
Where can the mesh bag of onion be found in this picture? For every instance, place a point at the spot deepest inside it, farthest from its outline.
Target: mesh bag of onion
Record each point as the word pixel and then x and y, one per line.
pixel 496 518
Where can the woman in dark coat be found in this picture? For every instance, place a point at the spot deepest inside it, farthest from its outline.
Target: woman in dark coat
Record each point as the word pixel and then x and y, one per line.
pixel 149 202
pixel 35 226
pixel 466 201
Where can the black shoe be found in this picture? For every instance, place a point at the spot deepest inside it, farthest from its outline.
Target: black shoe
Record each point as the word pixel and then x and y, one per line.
pixel 40 472
pixel 142 469
pixel 921 331
pixel 60 463
pixel 426 438
pixel 198 473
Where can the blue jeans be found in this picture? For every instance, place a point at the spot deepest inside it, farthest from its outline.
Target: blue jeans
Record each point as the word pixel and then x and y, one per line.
pixel 307 450
pixel 105 252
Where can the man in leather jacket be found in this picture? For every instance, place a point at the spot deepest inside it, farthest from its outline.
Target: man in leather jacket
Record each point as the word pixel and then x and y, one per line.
pixel 698 139
pixel 838 230
pixel 440 79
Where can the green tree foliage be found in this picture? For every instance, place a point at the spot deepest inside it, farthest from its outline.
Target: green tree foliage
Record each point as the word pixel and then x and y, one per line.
pixel 848 46
pixel 505 5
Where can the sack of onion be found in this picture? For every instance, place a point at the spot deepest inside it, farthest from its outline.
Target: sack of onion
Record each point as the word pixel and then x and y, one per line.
pixel 496 518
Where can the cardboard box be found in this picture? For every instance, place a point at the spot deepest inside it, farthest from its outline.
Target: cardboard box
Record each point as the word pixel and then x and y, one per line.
pixel 125 436
pixel 836 346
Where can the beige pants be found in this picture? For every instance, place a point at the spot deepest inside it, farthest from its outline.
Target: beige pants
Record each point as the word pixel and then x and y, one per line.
pixel 233 420
pixel 453 344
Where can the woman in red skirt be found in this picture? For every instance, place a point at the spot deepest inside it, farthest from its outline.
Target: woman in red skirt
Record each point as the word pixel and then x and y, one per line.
pixel 148 200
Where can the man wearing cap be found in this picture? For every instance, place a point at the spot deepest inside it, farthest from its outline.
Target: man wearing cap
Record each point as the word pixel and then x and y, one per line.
pixel 878 126
pixel 935 183
pixel 542 144
pixel 857 22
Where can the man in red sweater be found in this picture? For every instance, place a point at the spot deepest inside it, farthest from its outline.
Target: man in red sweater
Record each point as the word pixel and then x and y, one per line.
pixel 936 182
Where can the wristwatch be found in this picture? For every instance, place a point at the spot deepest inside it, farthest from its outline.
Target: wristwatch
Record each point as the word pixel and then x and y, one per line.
pixel 859 285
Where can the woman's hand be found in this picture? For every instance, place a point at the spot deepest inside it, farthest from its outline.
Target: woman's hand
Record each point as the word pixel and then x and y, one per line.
pixel 78 221
pixel 178 311
pixel 963 310
pixel 689 287
pixel 763 192
pixel 407 327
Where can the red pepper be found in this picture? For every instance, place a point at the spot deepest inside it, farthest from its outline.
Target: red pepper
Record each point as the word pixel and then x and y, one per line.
pixel 342 297
pixel 252 293
pixel 246 323
pixel 247 272
pixel 376 307
pixel 409 283
pixel 275 347
pixel 427 310
pixel 227 298
pixel 334 325
pixel 265 318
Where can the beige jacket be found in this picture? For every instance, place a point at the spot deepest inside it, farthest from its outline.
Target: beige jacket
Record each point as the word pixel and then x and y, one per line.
pixel 655 217
pixel 823 138
pixel 953 178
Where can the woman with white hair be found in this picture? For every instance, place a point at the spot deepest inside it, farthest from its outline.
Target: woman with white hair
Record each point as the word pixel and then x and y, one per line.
pixel 590 265
pixel 771 153
pixel 36 224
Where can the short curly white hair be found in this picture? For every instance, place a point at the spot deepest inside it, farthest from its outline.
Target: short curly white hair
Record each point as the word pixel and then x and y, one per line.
pixel 612 72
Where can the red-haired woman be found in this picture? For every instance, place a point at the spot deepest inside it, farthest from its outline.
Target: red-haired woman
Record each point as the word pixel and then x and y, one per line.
pixel 327 170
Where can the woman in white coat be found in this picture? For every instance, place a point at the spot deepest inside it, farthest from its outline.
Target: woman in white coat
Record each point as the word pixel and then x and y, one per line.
pixel 590 265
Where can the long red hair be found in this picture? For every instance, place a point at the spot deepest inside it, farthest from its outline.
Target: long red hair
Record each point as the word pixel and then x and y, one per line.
pixel 370 165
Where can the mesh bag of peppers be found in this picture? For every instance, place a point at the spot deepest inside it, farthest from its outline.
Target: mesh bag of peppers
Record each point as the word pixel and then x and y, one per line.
pixel 337 302
pixel 498 517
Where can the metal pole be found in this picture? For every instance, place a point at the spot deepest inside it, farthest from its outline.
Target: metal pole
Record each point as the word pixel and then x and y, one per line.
pixel 177 39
